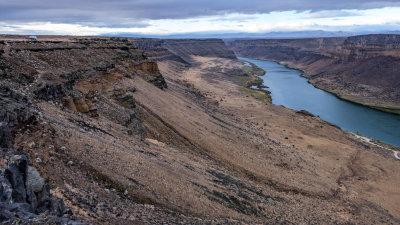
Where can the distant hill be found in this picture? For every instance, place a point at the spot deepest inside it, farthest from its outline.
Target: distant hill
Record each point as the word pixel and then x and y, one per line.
pixel 291 34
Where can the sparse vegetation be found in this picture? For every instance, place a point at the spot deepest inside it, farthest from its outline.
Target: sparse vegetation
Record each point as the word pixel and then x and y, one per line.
pixel 250 78
pixel 253 69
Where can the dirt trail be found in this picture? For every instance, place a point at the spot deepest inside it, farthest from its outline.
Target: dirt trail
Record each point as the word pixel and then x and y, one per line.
pixel 369 141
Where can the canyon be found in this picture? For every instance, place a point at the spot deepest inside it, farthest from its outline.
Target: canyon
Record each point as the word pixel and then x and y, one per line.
pixel 361 69
pixel 152 131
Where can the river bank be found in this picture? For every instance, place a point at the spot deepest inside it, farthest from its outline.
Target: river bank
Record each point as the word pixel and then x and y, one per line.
pixel 395 150
pixel 252 83
pixel 340 95
pixel 290 88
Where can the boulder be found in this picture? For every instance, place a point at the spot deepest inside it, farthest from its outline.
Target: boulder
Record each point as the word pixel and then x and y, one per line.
pixel 5 188
pixel 24 195
pixel 48 90
pixel 34 181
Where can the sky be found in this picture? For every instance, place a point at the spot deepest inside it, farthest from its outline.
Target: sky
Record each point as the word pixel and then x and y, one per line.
pixel 172 17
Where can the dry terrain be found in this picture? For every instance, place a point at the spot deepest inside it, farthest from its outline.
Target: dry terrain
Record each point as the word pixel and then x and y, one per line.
pixel 168 135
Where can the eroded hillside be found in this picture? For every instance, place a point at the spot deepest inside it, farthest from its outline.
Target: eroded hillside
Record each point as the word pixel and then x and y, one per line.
pixel 121 139
pixel 361 69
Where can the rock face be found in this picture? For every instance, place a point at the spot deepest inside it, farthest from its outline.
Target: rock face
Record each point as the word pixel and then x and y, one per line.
pixel 181 50
pixel 25 197
pixel 159 82
pixel 361 69
pixel 15 108
pixel 199 47
pixel 153 74
pixel 56 66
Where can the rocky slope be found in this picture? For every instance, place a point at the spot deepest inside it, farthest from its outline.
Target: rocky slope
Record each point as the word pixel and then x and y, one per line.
pixel 361 69
pixel 120 146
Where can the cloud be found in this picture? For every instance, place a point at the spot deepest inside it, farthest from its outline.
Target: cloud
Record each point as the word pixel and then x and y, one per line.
pixel 330 14
pixel 235 18
pixel 133 13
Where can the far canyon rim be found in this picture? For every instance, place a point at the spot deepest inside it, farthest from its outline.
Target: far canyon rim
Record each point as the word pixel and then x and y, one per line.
pixel 362 69
pixel 152 131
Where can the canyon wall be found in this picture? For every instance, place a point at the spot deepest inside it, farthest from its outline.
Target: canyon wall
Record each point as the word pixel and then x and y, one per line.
pixel 149 131
pixel 362 69
pixel 182 50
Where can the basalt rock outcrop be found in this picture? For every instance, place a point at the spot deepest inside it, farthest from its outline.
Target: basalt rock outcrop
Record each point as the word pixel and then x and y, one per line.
pixel 361 69
pixel 153 74
pixel 25 196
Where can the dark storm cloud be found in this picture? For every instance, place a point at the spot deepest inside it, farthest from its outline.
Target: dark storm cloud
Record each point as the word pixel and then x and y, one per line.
pixel 133 12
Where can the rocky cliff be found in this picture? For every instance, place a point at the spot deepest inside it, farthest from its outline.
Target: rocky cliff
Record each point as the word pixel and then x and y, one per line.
pixel 361 69
pixel 183 49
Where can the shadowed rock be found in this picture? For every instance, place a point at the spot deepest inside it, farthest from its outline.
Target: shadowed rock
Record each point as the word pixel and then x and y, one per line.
pixel 49 91
pixel 25 196
pixel 159 82
pixel 305 113
pixel 5 137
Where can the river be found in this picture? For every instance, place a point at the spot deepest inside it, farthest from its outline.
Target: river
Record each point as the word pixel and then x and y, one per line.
pixel 289 89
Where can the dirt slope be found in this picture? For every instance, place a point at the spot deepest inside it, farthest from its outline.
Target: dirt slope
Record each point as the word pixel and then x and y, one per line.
pixel 119 148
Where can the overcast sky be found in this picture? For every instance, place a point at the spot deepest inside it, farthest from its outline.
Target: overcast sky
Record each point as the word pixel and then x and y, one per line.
pixel 163 17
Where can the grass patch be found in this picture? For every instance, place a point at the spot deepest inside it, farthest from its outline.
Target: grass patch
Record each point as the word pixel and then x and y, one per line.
pixel 253 69
pixel 259 94
pixel 250 78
